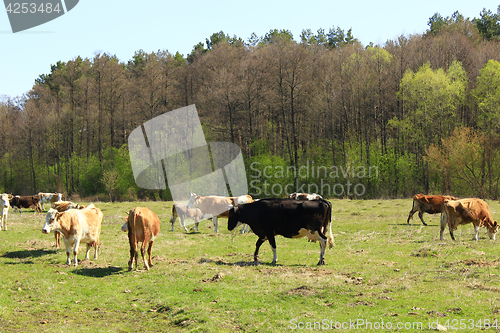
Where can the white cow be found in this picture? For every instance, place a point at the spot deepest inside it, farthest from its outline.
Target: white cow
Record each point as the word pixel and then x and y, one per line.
pixel 216 206
pixel 4 202
pixel 76 225
pixel 49 198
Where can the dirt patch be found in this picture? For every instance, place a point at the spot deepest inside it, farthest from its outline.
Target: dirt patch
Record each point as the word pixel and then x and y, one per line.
pixel 216 278
pixel 480 263
pixel 483 287
pixel 425 252
pixel 302 291
pixel 361 303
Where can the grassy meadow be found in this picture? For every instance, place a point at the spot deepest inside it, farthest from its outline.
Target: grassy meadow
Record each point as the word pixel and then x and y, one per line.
pixel 382 275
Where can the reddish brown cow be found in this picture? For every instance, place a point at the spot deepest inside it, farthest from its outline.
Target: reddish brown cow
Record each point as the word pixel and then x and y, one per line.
pixel 143 226
pixel 472 210
pixel 18 202
pixel 431 204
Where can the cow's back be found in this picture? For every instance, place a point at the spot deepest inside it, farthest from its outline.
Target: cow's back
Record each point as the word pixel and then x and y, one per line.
pixel 142 220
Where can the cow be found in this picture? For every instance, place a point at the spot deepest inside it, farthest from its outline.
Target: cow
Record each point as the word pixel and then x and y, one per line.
pixel 180 210
pixel 76 226
pixel 287 217
pixel 432 204
pixel 305 196
pixel 62 206
pixel 464 211
pixel 18 202
pixel 49 198
pixel 142 225
pixel 216 206
pixel 4 202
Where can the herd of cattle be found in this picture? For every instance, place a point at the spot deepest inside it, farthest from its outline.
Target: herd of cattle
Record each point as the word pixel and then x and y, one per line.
pixel 300 215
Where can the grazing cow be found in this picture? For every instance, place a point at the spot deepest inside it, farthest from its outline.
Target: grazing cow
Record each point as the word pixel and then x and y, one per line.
pixel 143 226
pixel 305 196
pixel 4 202
pixel 180 210
pixel 18 202
pixel 287 217
pixel 76 226
pixel 49 198
pixel 464 211
pixel 63 206
pixel 216 206
pixel 432 204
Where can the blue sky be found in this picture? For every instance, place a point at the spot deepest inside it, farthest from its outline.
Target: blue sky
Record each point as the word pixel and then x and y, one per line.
pixel 121 27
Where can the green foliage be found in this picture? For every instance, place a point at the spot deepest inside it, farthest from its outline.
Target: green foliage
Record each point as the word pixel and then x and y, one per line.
pixel 488 24
pixel 487 94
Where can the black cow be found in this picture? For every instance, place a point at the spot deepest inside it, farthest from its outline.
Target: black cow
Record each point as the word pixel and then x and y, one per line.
pixel 18 202
pixel 287 217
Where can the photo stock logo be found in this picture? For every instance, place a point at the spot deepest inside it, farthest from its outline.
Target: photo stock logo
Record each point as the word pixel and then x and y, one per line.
pixel 32 13
pixel 171 149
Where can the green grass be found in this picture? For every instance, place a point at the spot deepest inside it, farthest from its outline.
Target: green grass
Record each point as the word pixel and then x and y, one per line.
pixel 380 270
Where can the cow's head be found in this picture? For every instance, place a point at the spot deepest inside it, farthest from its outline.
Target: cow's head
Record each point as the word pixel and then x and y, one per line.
pixel 51 221
pixel 232 220
pixel 492 228
pixel 192 202
pixel 125 225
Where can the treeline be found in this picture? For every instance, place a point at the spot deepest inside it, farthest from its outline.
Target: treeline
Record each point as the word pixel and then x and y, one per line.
pixel 324 114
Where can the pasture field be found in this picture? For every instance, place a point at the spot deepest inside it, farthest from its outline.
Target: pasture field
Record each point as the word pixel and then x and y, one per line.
pixel 382 275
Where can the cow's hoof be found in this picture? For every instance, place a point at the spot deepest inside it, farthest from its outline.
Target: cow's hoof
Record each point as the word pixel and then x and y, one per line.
pixel 321 262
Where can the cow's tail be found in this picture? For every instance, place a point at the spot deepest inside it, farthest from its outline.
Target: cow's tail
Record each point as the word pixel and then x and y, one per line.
pixel 329 225
pixel 174 214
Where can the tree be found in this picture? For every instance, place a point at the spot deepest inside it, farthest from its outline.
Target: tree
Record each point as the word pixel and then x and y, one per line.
pixel 488 24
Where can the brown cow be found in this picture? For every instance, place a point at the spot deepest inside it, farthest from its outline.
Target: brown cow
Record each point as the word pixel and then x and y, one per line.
pixel 464 211
pixel 432 204
pixel 76 225
pixel 18 202
pixel 143 226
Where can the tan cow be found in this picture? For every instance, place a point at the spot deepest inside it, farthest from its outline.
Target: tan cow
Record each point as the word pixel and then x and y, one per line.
pixel 216 206
pixel 180 210
pixel 62 206
pixel 49 198
pixel 431 204
pixel 464 211
pixel 76 226
pixel 4 202
pixel 142 225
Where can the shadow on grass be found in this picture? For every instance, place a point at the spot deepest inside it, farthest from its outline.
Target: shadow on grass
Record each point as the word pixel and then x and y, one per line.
pixel 415 224
pixel 248 263
pixel 24 254
pixel 99 272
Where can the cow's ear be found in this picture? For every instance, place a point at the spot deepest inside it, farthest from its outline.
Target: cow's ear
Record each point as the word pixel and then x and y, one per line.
pixel 198 196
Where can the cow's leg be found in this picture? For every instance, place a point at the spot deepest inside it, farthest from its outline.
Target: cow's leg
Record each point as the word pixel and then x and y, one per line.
pixel 272 242
pixel 413 210
pixel 133 256
pixel 444 222
pixel 421 215
pixel 172 220
pixel 150 250
pixel 476 233
pixel 215 218
pixel 68 250
pixel 257 247
pixel 182 222
pixel 143 251
pixel 322 245
pixel 75 251
pixel 57 237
